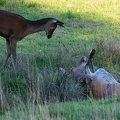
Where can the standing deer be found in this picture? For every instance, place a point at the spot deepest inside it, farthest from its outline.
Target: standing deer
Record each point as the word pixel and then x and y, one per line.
pixel 14 28
pixel 100 83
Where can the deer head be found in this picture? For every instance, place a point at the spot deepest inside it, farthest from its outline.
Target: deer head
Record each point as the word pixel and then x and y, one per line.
pixel 78 73
pixel 51 26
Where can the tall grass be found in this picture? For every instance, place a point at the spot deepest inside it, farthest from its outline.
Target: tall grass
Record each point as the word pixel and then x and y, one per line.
pixel 80 110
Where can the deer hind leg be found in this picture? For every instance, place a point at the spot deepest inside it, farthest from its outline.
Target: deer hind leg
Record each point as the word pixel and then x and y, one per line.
pixel 110 92
pixel 8 53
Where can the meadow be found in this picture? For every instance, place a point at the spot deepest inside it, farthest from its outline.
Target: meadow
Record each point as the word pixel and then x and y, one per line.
pixel 38 90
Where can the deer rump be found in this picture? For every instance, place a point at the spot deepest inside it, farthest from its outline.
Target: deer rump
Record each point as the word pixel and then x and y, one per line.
pixel 101 84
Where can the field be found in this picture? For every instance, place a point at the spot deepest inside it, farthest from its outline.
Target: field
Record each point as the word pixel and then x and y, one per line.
pixel 38 90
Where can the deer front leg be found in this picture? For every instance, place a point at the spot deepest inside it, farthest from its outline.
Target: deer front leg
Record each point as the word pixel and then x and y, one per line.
pixel 13 52
pixel 8 53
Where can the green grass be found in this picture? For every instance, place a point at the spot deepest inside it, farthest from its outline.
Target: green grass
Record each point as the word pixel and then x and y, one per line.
pixel 80 110
pixel 88 24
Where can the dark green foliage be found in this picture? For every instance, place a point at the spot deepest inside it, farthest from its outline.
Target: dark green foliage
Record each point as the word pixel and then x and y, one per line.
pixel 2 2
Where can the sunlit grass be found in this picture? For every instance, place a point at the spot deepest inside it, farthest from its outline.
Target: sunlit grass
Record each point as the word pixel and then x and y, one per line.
pixel 99 10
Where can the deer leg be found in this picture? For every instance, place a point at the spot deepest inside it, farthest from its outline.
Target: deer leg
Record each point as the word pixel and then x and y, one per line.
pixel 13 52
pixel 93 68
pixel 8 53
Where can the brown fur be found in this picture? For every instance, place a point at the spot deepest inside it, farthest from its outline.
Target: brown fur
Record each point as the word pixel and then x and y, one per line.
pixel 97 88
pixel 113 91
pixel 102 86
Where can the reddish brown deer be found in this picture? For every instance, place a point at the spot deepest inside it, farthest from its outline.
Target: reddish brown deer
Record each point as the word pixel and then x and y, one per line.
pixel 100 84
pixel 14 27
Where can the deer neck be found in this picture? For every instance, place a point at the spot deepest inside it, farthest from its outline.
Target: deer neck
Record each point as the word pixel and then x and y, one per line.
pixel 36 26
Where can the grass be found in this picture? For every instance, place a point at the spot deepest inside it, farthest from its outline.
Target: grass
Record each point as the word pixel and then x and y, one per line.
pixel 80 110
pixel 88 24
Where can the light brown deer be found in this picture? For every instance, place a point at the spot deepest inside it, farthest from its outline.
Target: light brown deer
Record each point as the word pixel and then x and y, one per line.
pixel 100 83
pixel 14 27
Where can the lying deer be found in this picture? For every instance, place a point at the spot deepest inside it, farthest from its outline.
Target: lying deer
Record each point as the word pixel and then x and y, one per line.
pixel 14 28
pixel 100 84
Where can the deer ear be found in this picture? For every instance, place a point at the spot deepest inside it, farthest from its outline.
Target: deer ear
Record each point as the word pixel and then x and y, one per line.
pixel 57 22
